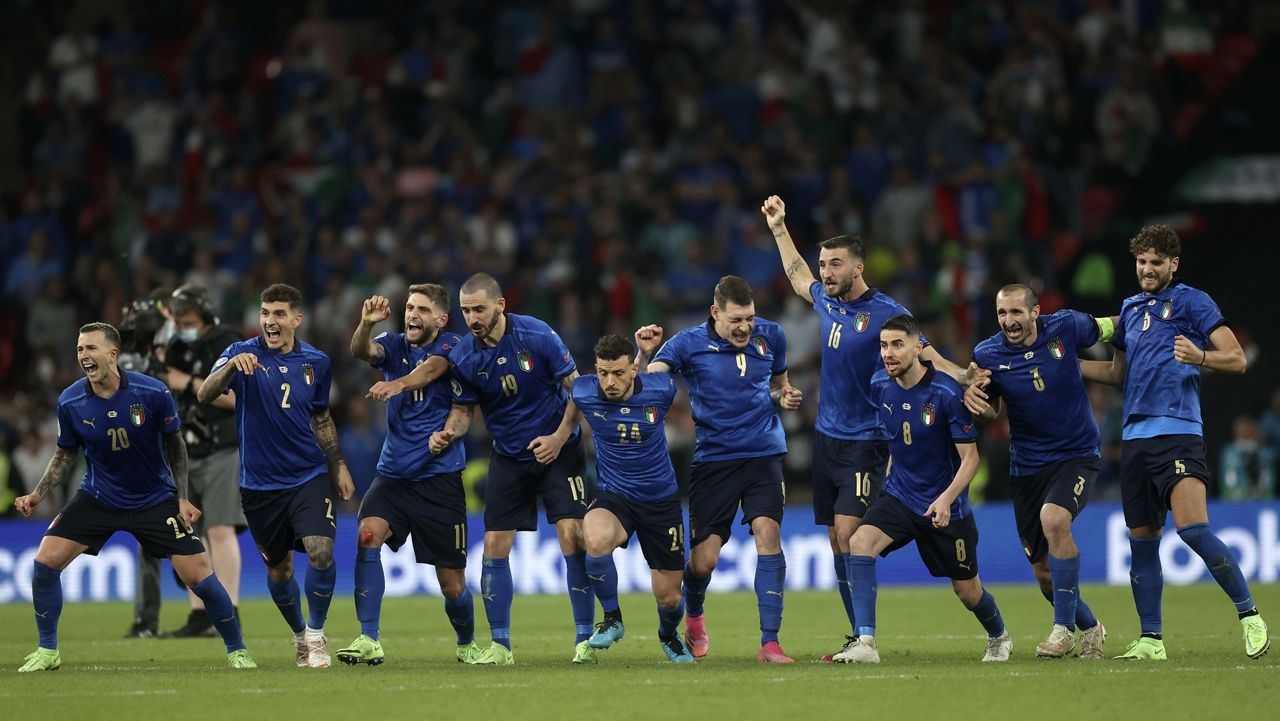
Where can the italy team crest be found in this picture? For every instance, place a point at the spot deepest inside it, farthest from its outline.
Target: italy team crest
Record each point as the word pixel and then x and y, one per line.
pixel 928 415
pixel 137 414
pixel 861 321
pixel 525 360
pixel 1166 310
pixel 759 344
pixel 650 414
pixel 308 374
pixel 1055 348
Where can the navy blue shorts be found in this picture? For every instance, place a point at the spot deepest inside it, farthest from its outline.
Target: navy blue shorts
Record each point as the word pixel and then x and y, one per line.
pixel 514 487
pixel 718 488
pixel 1150 468
pixel 658 524
pixel 159 529
pixel 847 476
pixel 1065 483
pixel 279 520
pixel 950 552
pixel 432 512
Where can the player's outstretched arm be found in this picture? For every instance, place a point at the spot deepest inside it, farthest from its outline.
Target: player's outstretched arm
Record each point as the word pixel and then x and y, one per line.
pixel 648 340
pixel 964 376
pixel 940 510
pixel 1106 372
pixel 217 382
pixel 787 396
pixel 430 371
pixel 327 439
pixel 375 310
pixel 1227 356
pixel 455 426
pixel 55 474
pixel 775 212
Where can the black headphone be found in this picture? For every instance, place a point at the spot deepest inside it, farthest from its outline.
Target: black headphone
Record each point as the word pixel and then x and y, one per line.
pixel 196 296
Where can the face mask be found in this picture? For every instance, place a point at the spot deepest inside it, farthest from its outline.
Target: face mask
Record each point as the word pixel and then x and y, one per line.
pixel 188 335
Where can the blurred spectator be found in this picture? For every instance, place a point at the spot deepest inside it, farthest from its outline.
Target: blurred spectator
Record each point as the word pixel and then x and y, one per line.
pixel 1248 467
pixel 361 441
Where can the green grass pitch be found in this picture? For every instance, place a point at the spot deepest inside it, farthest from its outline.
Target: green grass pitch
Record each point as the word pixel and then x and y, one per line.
pixel 929 644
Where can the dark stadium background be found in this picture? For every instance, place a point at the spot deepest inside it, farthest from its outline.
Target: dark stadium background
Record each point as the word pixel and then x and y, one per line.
pixel 606 160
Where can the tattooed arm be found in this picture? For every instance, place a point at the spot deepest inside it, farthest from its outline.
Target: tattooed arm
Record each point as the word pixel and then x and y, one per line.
pixel 175 452
pixel 55 474
pixel 455 426
pixel 793 264
pixel 327 439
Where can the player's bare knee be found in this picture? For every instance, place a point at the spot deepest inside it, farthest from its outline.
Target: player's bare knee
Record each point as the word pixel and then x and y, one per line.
pixel 370 536
pixel 282 571
pixel 766 535
pixel 497 544
pixel 969 591
pixel 319 551
pixel 192 569
pixel 668 599
pixel 570 534
pixel 452 584
pixel 1145 532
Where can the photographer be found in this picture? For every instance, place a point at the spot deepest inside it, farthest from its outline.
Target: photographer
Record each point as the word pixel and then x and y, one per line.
pixel 210 433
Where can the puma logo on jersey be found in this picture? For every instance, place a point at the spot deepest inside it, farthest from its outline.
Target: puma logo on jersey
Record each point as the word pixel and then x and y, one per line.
pixel 965 566
pixel 711 347
pixel 600 415
pixel 1004 367
pixel 88 422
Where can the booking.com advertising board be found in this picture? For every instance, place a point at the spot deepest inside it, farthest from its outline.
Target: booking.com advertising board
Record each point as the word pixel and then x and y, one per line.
pixel 1252 530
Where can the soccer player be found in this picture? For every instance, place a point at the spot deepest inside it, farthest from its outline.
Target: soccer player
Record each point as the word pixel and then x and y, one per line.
pixel 1053 448
pixel 519 372
pixel 136 482
pixel 933 456
pixel 735 366
pixel 1164 336
pixel 637 492
pixel 289 457
pixel 849 451
pixel 418 489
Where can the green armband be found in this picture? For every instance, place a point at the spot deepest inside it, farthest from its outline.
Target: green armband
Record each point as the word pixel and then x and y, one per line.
pixel 1106 329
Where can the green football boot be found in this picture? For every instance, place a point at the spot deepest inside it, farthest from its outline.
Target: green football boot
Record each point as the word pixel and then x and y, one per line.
pixel 583 653
pixel 495 655
pixel 1144 649
pixel 43 659
pixel 362 650
pixel 1256 639
pixel 467 652
pixel 241 659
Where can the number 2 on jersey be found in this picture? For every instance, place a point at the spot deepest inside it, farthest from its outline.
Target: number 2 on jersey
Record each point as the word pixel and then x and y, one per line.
pixel 284 402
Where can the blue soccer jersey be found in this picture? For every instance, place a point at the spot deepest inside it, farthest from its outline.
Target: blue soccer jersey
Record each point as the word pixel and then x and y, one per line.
pixel 925 422
pixel 1050 419
pixel 412 417
pixel 516 383
pixel 121 439
pixel 850 357
pixel 273 413
pixel 630 438
pixel 733 414
pixel 1161 395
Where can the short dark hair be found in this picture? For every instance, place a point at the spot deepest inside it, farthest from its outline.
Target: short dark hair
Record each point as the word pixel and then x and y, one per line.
pixel 851 243
pixel 106 329
pixel 1028 295
pixel 436 294
pixel 192 298
pixel 904 323
pixel 1160 238
pixel 613 347
pixel 282 293
pixel 732 289
pixel 482 282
